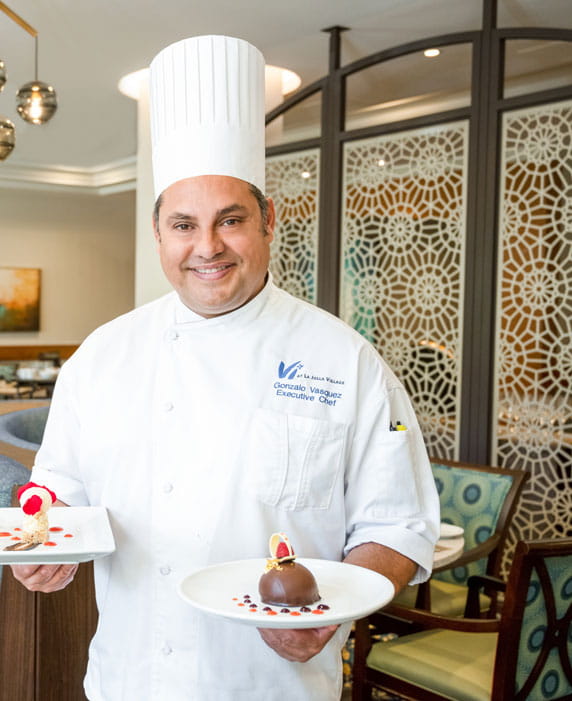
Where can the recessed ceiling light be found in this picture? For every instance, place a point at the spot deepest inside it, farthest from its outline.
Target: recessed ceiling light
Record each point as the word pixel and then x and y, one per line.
pixel 431 53
pixel 381 162
pixel 305 174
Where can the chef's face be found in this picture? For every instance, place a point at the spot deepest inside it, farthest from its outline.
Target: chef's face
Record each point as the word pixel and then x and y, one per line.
pixel 214 246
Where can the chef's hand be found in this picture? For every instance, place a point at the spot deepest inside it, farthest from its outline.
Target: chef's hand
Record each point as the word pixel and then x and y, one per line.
pixel 44 578
pixel 297 645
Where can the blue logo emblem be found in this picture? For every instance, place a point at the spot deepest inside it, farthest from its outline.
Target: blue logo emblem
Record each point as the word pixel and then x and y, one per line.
pixel 290 371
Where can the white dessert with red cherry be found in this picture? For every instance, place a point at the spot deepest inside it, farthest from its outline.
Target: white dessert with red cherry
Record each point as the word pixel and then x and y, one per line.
pixel 35 501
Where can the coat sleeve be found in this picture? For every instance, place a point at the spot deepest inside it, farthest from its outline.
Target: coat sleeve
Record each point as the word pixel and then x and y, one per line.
pixel 57 463
pixel 391 497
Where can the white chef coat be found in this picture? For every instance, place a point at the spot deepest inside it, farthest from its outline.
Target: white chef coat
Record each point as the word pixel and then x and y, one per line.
pixel 204 436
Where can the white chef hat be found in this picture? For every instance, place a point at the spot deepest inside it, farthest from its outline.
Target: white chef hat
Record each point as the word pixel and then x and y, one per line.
pixel 207 111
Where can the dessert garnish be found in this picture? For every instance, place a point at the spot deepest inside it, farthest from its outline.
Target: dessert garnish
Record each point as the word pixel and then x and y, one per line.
pixel 35 501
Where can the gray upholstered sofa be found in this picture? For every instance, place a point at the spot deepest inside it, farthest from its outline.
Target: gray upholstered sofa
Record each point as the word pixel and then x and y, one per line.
pixel 24 428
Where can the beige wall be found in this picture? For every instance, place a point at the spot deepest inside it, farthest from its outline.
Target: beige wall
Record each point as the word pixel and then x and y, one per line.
pixel 85 247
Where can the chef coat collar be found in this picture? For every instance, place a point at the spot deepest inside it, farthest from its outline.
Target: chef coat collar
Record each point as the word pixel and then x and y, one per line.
pixel 186 316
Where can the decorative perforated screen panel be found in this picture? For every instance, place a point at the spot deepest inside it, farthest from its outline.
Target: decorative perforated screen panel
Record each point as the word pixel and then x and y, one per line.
pixel 534 318
pixel 403 237
pixel 293 183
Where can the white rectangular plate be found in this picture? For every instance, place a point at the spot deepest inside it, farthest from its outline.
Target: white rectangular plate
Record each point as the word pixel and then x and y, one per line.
pixel 350 592
pixel 88 526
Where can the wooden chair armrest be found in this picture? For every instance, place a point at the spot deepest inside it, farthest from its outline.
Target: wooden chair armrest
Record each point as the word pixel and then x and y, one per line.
pixel 430 620
pixel 473 554
pixel 474 584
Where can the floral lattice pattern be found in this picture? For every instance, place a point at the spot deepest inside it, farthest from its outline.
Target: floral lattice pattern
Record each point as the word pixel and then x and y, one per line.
pixel 534 362
pixel 292 181
pixel 402 252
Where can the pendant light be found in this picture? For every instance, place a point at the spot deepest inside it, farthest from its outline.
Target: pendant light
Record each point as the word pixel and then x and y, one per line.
pixel 36 101
pixel 7 137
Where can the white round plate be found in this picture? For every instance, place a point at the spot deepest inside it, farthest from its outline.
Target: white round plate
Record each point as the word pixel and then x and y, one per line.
pixel 448 530
pixel 350 592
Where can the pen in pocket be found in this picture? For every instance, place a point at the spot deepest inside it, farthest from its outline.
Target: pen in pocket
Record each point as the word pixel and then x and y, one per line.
pixel 398 426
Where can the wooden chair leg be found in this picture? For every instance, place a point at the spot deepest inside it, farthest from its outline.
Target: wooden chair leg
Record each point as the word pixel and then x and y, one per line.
pixel 360 691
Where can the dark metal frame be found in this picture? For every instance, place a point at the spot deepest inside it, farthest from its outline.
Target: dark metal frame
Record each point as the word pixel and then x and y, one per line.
pixel 481 245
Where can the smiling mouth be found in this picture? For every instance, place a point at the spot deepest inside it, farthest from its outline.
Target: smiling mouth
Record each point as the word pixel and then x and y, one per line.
pixel 214 270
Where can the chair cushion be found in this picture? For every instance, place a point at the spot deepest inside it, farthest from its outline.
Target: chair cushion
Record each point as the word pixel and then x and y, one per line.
pixel 472 499
pixel 456 665
pixel 447 599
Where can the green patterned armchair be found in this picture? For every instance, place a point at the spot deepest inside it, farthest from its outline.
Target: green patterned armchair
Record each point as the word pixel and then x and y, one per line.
pixel 525 655
pixel 482 500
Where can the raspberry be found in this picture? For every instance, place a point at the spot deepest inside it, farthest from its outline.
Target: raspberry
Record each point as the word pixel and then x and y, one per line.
pixel 32 505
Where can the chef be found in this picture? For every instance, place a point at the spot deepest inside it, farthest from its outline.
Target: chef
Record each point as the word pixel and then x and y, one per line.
pixel 225 411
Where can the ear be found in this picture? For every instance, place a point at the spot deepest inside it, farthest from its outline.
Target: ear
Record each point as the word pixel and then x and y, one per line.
pixel 270 219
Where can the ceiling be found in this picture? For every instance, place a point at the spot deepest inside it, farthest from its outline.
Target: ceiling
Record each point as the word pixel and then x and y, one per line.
pixel 86 47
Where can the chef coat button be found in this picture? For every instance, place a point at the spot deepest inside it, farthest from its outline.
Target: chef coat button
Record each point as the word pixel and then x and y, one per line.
pixel 166 649
pixel 168 406
pixel 165 570
pixel 173 335
pixel 167 487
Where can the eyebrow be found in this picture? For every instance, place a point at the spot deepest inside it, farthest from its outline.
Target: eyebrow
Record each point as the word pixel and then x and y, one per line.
pixel 225 211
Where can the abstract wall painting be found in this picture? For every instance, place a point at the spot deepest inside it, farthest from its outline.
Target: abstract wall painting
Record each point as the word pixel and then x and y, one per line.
pixel 19 299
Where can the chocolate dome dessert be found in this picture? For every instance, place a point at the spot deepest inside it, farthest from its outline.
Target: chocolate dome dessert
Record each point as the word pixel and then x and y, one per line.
pixel 286 582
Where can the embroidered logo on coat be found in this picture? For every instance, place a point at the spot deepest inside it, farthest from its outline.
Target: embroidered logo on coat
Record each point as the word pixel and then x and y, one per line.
pixel 305 387
pixel 290 371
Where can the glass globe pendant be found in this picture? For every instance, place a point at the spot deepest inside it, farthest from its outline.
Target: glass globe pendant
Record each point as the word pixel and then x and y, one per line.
pixel 36 102
pixel 7 137
pixel 2 75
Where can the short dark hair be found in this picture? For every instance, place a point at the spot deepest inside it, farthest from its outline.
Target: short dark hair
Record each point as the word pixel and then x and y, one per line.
pixel 156 208
pixel 258 196
pixel 262 205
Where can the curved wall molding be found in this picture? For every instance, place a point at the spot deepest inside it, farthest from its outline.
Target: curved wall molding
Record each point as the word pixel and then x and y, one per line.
pixel 117 176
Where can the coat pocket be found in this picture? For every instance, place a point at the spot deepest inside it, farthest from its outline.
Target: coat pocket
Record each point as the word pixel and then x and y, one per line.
pixel 395 478
pixel 295 461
